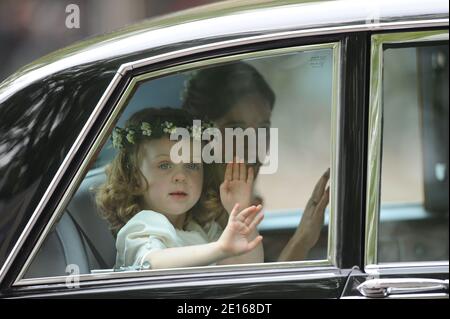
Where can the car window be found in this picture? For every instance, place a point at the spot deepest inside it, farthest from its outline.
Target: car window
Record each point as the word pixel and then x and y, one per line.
pixel 136 203
pixel 414 204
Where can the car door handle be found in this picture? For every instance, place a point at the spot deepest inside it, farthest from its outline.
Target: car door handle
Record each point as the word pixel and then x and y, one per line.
pixel 380 288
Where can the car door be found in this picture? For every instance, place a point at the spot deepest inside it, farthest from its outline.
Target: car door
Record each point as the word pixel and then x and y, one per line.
pixel 406 250
pixel 308 76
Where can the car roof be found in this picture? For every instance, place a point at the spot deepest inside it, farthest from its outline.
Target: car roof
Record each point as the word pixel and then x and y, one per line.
pixel 234 18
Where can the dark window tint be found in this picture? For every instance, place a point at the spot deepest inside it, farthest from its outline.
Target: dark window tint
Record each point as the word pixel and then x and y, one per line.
pixel 38 125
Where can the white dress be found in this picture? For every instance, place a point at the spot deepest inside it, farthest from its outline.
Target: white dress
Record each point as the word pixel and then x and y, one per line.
pixel 149 231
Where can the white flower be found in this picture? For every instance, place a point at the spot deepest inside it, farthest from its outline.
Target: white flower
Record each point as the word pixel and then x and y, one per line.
pixel 146 129
pixel 131 136
pixel 168 127
pixel 117 138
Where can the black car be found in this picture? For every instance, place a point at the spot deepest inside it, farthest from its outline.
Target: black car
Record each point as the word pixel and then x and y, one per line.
pixel 361 87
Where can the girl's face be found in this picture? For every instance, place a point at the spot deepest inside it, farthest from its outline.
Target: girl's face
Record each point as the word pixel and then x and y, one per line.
pixel 173 189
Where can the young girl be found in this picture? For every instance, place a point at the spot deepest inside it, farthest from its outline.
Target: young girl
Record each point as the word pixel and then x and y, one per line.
pixel 155 207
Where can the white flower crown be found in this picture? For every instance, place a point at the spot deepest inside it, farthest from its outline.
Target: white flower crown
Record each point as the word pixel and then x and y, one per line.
pixel 121 137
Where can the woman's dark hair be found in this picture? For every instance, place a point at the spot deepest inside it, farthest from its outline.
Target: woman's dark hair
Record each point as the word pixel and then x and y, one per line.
pixel 211 92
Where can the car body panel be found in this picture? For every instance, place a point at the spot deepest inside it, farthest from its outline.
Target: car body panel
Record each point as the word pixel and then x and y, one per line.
pixel 227 21
pixel 60 93
pixel 296 284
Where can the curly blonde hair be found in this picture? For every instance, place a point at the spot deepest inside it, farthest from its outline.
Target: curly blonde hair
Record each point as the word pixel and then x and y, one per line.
pixel 120 197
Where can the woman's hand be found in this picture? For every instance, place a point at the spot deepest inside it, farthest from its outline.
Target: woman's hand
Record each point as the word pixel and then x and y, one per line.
pixel 237 186
pixel 308 232
pixel 313 216
pixel 236 237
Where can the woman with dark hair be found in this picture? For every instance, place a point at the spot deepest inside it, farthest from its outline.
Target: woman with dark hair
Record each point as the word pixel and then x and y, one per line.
pixel 235 95
pixel 226 86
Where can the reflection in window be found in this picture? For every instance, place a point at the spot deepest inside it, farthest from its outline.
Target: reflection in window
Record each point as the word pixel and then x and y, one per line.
pixel 414 189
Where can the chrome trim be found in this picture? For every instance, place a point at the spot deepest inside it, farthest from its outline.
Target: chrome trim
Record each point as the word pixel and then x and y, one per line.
pixel 292 34
pixel 242 41
pixel 193 283
pixel 192 273
pixel 408 268
pixel 409 296
pixel 207 62
pixel 385 287
pixel 334 151
pixel 158 38
pixel 375 129
pixel 331 251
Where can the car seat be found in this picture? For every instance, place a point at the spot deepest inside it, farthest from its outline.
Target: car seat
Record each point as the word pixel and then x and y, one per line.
pixel 81 237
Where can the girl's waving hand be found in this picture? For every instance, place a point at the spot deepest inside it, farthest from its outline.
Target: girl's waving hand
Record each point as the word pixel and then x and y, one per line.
pixel 236 239
pixel 237 186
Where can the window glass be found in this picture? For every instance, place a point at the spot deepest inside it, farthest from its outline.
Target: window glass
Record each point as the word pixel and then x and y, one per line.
pixel 414 179
pixel 139 208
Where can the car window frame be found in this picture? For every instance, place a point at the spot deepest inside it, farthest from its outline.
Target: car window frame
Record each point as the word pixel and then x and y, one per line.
pixel 374 160
pixel 319 265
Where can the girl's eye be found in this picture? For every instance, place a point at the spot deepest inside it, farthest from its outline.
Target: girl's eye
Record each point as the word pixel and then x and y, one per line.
pixel 165 165
pixel 193 166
